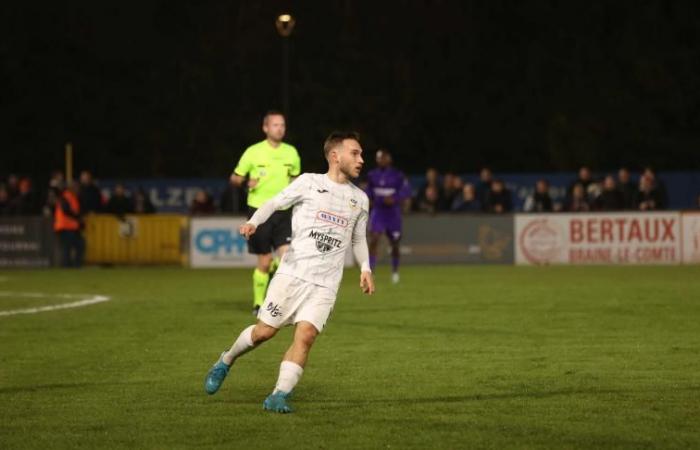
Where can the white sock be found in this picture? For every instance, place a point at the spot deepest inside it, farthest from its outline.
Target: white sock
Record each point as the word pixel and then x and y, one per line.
pixel 243 344
pixel 289 376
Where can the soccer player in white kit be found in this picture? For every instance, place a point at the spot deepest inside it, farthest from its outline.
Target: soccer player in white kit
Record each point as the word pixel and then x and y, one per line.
pixel 329 214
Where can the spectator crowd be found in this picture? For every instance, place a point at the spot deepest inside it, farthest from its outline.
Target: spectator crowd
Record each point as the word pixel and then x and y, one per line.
pixel 439 193
pixel 450 193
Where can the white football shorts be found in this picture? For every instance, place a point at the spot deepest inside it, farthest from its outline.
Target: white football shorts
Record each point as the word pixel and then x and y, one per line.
pixel 290 300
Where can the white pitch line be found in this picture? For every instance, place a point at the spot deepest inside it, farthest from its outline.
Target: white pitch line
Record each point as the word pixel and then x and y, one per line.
pixel 85 302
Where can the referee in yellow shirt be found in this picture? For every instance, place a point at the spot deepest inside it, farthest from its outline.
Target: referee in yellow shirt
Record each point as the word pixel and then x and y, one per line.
pixel 270 166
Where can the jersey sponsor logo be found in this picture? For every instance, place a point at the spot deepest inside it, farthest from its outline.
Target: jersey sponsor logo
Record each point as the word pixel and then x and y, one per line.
pixel 384 192
pixel 324 242
pixel 332 218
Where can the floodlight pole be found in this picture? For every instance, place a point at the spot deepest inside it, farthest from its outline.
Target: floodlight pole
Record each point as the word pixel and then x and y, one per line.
pixel 285 24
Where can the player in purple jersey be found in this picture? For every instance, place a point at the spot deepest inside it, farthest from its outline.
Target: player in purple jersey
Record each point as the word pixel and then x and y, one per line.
pixel 387 189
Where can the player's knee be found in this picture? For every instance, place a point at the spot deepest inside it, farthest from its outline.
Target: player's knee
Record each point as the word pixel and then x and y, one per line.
pixel 262 333
pixel 305 334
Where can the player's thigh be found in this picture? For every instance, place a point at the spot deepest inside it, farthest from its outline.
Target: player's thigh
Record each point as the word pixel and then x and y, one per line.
pixel 317 307
pixel 281 301
pixel 281 233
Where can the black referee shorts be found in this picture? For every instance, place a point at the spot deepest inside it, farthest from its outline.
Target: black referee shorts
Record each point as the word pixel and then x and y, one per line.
pixel 274 233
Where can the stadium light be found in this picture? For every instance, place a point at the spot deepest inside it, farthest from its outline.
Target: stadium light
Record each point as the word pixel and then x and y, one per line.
pixel 285 24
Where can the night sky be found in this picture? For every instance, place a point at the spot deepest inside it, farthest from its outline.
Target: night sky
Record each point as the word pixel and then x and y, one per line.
pixel 156 88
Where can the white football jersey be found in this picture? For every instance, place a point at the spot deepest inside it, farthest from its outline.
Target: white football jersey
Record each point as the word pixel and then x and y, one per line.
pixel 327 218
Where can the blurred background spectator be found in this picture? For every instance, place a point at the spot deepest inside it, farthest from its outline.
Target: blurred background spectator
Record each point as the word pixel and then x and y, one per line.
pixel 498 199
pixel 627 188
pixel 142 204
pixel 466 201
pixel 430 202
pixel 649 198
pixel 119 203
pixel 578 202
pixel 202 204
pixel 68 224
pixel 451 187
pixel 90 196
pixel 432 180
pixel 4 201
pixel 658 188
pixel 25 202
pixel 540 200
pixel 610 198
pixel 484 187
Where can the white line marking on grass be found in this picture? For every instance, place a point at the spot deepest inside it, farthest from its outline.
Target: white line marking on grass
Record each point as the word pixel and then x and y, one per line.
pixel 86 299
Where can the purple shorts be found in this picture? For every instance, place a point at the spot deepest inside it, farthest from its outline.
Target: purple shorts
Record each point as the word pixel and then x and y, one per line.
pixel 389 223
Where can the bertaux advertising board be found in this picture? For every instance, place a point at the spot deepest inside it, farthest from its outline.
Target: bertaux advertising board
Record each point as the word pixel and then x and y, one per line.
pixel 691 237
pixel 215 242
pixel 600 238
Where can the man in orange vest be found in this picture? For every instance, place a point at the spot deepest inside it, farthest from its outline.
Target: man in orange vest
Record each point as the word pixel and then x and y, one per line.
pixel 68 224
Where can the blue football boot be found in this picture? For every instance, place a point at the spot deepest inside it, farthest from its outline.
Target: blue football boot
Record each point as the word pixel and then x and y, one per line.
pixel 277 402
pixel 216 376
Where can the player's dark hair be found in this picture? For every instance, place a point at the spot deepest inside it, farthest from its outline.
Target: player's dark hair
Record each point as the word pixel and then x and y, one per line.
pixel 336 138
pixel 273 112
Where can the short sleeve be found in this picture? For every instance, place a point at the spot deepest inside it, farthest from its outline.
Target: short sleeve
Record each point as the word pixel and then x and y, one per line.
pixel 245 164
pixel 296 164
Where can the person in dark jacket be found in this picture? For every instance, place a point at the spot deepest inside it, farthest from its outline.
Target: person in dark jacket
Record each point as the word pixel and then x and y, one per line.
pixel 627 188
pixel 498 199
pixel 119 204
pixel 610 199
pixel 540 200
pixel 466 201
pixel 649 198
pixel 90 195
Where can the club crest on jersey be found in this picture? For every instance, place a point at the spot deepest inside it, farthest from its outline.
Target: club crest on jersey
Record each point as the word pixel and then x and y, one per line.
pixel 353 203
pixel 324 242
pixel 332 218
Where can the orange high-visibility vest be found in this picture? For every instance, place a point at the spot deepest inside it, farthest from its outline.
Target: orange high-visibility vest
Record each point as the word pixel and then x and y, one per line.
pixel 62 221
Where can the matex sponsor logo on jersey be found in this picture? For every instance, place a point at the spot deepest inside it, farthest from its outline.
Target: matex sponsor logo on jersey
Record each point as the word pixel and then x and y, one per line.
pixel 332 218
pixel 324 242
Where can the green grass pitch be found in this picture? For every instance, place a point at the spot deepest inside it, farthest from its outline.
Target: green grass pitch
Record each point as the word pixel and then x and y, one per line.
pixel 453 357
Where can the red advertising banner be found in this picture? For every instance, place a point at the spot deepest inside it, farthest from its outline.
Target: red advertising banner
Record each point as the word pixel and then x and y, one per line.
pixel 602 238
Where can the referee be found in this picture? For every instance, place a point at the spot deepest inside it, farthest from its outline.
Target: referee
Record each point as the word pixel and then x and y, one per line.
pixel 269 166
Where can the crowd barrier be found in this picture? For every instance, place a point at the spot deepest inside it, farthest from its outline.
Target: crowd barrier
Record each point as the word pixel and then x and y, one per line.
pixel 665 238
pixel 136 239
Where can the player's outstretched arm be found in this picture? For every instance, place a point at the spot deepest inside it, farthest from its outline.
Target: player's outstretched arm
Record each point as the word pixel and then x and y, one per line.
pixel 289 196
pixel 361 252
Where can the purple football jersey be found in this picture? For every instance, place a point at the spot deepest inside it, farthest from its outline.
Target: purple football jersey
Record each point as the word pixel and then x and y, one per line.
pixel 383 183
